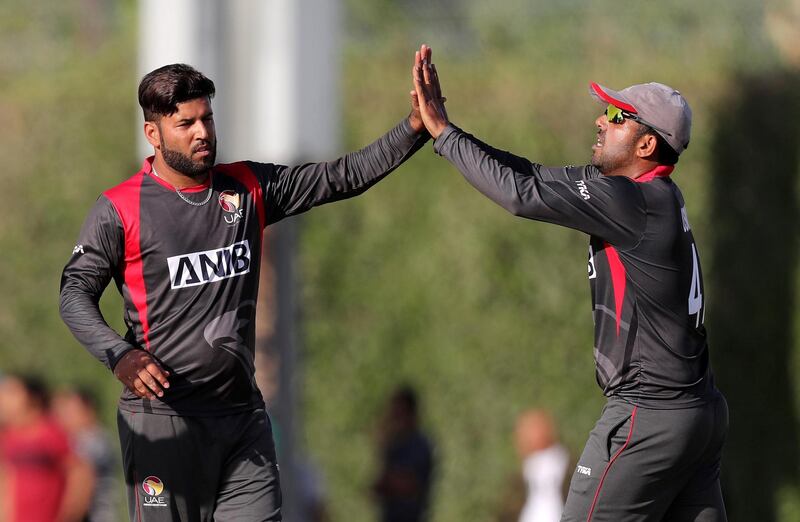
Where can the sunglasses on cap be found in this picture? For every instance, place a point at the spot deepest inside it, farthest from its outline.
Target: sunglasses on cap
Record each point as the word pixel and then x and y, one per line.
pixel 617 115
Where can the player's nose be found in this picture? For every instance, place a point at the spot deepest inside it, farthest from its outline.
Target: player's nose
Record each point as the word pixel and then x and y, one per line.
pixel 601 121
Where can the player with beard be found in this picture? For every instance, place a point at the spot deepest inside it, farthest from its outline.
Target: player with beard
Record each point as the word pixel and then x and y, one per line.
pixel 182 241
pixel 655 452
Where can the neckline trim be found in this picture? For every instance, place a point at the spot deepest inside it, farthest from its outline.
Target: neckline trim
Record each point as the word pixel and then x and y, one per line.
pixel 148 169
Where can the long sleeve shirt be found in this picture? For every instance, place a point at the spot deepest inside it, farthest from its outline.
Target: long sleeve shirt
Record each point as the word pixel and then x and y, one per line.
pixel 189 274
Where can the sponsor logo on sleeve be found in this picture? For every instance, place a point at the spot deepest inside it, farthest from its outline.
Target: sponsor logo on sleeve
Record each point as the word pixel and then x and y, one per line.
pixel 583 470
pixel 199 268
pixel 231 206
pixel 77 250
pixel 583 189
pixel 153 487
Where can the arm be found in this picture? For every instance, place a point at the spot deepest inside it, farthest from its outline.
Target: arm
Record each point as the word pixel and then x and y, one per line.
pixel 100 250
pixel 293 190
pixel 79 489
pixel 579 198
pixel 612 208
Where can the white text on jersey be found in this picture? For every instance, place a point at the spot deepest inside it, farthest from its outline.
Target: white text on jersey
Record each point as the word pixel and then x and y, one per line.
pixel 583 189
pixel 199 268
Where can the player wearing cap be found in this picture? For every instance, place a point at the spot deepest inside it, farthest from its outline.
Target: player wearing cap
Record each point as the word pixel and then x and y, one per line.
pixel 182 240
pixel 655 452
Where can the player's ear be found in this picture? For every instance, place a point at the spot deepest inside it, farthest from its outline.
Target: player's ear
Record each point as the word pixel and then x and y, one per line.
pixel 152 132
pixel 646 146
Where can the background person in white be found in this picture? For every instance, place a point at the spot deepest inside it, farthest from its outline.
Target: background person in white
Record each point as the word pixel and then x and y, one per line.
pixel 544 466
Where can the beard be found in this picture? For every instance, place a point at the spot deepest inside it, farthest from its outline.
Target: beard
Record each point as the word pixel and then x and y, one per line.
pixel 609 160
pixel 184 163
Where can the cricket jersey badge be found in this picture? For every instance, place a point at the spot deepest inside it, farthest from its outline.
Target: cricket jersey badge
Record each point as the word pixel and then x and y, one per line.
pixel 231 206
pixel 153 487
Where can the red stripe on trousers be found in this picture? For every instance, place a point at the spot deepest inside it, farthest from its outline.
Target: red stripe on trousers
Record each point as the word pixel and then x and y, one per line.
pixel 610 463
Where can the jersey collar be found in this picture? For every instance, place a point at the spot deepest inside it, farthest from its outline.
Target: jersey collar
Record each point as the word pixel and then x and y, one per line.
pixel 658 172
pixel 147 168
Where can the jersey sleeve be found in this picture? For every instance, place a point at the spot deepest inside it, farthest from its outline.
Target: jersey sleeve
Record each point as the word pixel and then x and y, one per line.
pixel 609 207
pixel 95 258
pixel 289 191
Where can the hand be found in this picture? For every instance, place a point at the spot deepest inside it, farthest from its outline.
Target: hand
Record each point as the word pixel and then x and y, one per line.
pixel 142 374
pixel 428 93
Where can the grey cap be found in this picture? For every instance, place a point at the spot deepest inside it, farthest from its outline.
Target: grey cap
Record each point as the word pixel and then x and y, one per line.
pixel 654 104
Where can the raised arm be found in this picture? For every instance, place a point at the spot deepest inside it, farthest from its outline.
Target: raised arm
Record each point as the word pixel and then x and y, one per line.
pixel 293 190
pixel 578 198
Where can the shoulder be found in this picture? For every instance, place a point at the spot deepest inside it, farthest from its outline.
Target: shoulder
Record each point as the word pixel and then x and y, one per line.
pixel 245 168
pixel 126 189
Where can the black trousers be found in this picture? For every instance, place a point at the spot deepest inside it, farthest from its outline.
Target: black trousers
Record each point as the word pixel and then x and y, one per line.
pixel 651 465
pixel 200 468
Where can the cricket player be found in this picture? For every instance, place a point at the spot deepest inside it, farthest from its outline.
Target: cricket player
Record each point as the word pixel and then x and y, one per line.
pixel 655 452
pixel 182 241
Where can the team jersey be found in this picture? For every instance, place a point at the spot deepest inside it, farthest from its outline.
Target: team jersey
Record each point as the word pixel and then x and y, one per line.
pixel 650 344
pixel 188 273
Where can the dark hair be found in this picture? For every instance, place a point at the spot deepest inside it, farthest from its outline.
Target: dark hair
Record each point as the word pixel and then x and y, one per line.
pixel 161 91
pixel 665 154
pixel 37 390
pixel 87 397
pixel 407 397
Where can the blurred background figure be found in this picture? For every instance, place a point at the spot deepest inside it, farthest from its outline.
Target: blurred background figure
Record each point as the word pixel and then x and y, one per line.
pixel 544 466
pixel 76 411
pixel 311 497
pixel 43 479
pixel 403 486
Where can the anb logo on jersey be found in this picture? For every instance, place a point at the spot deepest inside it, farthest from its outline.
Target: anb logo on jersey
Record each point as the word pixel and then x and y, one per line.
pixel 230 203
pixel 199 268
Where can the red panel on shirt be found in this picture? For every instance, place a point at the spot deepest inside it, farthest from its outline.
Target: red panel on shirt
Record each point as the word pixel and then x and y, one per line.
pixel 125 198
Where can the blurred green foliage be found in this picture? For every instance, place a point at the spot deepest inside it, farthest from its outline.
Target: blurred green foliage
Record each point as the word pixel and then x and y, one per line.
pixel 421 280
pixel 66 105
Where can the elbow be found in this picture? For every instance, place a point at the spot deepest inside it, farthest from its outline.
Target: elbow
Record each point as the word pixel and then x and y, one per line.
pixel 515 207
pixel 68 299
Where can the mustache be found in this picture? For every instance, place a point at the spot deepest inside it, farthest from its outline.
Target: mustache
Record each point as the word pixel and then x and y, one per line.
pixel 204 145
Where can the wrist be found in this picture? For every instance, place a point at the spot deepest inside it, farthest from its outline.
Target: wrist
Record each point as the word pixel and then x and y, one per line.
pixel 437 130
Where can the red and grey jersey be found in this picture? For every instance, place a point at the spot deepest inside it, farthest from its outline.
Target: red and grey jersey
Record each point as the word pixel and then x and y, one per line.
pixel 644 266
pixel 189 273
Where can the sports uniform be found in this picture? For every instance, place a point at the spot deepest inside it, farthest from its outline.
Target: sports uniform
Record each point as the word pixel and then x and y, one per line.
pixel 655 452
pixel 188 273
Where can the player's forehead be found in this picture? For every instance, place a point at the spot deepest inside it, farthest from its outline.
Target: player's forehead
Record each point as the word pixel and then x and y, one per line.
pixel 192 109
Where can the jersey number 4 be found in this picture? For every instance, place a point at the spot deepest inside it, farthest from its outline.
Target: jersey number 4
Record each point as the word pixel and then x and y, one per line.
pixel 696 291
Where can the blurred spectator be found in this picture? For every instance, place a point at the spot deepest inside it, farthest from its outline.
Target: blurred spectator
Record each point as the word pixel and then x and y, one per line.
pixel 403 486
pixel 43 480
pixel 544 466
pixel 311 492
pixel 76 411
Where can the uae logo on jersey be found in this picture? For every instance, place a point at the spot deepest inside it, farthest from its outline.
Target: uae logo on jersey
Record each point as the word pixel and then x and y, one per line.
pixel 230 203
pixel 152 487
